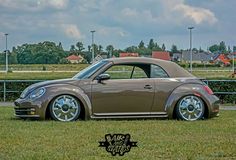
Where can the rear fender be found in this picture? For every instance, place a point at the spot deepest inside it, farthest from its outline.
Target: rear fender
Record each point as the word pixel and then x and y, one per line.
pixel 184 90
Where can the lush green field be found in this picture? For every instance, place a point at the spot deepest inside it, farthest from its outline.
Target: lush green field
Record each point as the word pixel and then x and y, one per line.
pixel 157 139
pixel 47 67
pixel 61 75
pixel 36 75
pixel 51 72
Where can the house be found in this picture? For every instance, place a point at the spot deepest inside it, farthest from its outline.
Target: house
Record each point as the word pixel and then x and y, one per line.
pixel 161 55
pixel 222 58
pixel 177 57
pixel 127 54
pixel 197 57
pixel 75 59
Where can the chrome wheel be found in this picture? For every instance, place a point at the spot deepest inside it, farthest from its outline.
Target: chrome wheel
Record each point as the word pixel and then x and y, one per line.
pixel 65 108
pixel 190 108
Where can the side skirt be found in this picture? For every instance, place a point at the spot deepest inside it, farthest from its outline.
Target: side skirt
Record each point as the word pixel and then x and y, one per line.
pixel 129 115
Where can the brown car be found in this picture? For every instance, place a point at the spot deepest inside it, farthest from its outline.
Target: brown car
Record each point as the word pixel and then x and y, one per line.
pixel 121 88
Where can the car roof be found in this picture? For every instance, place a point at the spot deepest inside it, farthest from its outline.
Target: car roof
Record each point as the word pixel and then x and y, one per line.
pixel 173 69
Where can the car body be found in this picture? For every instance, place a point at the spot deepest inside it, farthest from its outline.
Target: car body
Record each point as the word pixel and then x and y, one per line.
pixel 121 88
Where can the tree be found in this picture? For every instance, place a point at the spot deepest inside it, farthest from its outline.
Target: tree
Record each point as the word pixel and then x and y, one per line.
pixel 234 48
pixel 222 47
pixel 174 49
pixel 41 53
pixel 72 48
pixel 195 50
pixel 131 49
pixel 163 47
pixel 100 48
pixel 89 48
pixel 60 45
pixel 141 45
pixel 151 44
pixel 214 48
pixel 200 50
pixel 80 46
pixel 109 50
pixel 229 50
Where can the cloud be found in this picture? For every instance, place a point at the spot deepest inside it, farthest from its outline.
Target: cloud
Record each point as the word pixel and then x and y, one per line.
pixel 129 12
pixel 197 14
pixel 33 5
pixel 112 31
pixel 57 4
pixel 72 31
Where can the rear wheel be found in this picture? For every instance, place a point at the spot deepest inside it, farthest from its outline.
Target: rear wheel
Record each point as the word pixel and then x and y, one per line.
pixel 65 108
pixel 190 108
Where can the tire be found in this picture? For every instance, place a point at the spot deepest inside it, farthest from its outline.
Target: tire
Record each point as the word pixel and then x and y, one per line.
pixel 65 108
pixel 190 108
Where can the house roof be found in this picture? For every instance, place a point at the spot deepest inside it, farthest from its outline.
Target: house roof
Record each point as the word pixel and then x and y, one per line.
pixel 222 57
pixel 161 55
pixel 129 54
pixel 197 56
pixel 73 57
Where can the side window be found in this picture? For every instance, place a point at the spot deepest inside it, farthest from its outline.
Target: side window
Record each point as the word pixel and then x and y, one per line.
pixel 126 72
pixel 120 71
pixel 138 73
pixel 158 72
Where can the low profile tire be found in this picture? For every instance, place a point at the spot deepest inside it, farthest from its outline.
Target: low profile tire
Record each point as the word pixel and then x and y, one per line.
pixel 190 108
pixel 65 108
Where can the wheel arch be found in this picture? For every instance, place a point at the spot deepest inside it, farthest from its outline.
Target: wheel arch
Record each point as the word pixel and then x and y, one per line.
pixel 182 91
pixel 77 93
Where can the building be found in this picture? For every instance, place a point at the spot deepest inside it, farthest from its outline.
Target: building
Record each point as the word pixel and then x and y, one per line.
pixel 75 59
pixel 222 58
pixel 197 57
pixel 127 54
pixel 161 55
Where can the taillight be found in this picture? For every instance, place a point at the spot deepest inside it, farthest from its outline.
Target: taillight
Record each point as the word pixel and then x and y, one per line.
pixel 207 89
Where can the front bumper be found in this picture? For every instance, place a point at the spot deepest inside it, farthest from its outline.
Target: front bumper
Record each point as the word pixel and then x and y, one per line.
pixel 26 109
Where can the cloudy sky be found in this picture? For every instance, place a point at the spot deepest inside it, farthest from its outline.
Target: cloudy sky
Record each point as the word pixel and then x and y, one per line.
pixel 121 23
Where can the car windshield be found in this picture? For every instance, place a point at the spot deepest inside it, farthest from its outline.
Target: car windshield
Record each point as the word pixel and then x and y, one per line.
pixel 90 70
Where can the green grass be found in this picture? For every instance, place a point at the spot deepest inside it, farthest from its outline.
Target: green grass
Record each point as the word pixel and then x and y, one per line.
pixel 61 75
pixel 211 75
pixel 37 76
pixel 49 67
pixel 157 139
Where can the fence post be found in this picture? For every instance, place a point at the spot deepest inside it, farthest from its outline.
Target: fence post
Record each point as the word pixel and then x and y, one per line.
pixel 4 90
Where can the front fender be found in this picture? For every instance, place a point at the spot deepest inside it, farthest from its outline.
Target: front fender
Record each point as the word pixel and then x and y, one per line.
pixel 55 90
pixel 184 90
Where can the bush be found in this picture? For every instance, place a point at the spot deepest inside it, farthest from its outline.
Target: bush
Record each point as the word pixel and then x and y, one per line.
pixel 224 86
pixel 17 87
pixel 44 68
pixel 216 86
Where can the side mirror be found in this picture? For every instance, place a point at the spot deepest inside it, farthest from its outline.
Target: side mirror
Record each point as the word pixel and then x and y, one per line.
pixel 103 77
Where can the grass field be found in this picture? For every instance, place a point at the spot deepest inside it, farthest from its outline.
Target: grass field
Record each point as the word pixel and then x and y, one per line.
pixel 51 72
pixel 157 139
pixel 48 67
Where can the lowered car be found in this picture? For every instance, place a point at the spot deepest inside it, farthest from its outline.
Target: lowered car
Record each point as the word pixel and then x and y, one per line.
pixel 121 88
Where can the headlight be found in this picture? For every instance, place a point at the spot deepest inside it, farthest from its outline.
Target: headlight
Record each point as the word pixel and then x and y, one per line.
pixel 37 93
pixel 23 94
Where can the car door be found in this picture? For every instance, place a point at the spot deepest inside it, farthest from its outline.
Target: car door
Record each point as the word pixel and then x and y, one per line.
pixel 129 91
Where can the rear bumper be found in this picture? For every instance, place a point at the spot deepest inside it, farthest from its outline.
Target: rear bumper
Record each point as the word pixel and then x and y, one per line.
pixel 214 106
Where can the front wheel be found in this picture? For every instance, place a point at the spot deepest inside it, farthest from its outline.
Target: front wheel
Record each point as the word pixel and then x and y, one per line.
pixel 65 108
pixel 190 108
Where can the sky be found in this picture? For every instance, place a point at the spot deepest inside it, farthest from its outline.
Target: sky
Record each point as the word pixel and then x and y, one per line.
pixel 121 23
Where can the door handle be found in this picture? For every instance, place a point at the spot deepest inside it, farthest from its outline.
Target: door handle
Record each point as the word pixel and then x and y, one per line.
pixel 148 86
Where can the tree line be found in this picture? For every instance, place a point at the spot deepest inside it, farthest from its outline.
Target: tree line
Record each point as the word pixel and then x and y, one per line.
pixel 51 53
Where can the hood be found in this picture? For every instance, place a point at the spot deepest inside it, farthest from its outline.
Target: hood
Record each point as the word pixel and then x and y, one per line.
pixel 32 87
